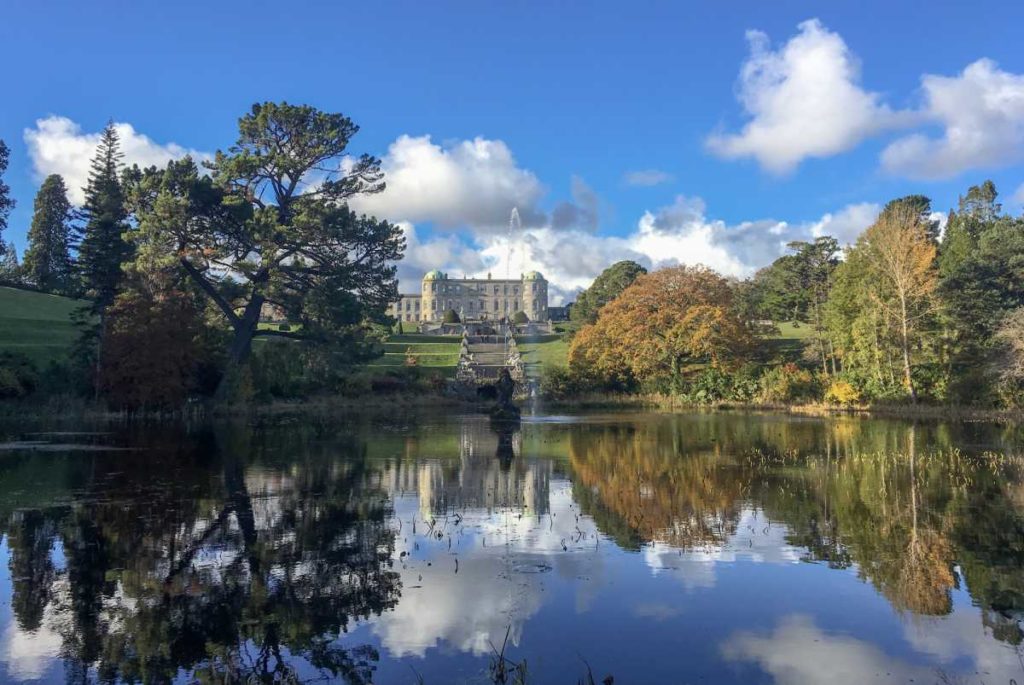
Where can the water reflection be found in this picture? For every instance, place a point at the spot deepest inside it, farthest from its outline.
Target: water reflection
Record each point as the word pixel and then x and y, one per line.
pixel 766 548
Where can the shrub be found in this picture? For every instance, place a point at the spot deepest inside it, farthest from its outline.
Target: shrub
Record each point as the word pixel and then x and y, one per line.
pixel 788 383
pixel 284 327
pixel 558 382
pixel 841 392
pixel 520 317
pixel 451 316
pixel 18 376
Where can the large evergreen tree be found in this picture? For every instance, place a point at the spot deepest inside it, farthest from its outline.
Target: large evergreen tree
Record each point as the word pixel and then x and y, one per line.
pixel 6 203
pixel 102 248
pixel 47 262
pixel 271 225
pixel 605 288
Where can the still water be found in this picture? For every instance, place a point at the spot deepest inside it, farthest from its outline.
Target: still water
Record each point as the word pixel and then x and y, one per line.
pixel 655 548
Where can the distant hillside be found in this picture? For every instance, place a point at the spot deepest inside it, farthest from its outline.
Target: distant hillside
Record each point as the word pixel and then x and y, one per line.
pixel 36 324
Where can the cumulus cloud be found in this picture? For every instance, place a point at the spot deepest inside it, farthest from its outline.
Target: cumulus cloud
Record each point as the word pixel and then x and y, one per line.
pixel 982 113
pixel 58 145
pixel 848 223
pixel 582 212
pixel 804 100
pixel 679 233
pixel 646 177
pixel 467 183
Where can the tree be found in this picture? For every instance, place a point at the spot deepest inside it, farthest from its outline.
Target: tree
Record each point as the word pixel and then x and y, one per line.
pixel 102 248
pixel 661 324
pixel 605 288
pixel 47 260
pixel 272 224
pixel 812 269
pixel 901 255
pixel 6 202
pixel 1010 358
pixel 10 270
pixel 520 318
pixel 450 316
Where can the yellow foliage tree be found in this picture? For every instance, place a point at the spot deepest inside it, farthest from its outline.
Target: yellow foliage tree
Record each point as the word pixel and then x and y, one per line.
pixel 663 322
pixel 902 258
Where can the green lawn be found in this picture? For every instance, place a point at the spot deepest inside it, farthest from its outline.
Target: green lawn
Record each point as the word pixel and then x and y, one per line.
pixel 543 350
pixel 788 344
pixel 36 324
pixel 431 351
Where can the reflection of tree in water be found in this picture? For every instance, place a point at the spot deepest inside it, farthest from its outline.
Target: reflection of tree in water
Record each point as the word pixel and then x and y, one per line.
pixel 850 493
pixel 171 566
pixel 640 486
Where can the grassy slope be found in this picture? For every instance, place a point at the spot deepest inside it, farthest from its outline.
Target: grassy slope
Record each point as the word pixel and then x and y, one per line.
pixel 431 352
pixel 36 324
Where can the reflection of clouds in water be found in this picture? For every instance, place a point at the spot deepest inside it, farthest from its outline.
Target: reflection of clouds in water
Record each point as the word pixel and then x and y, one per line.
pixel 797 652
pixel 755 540
pixel 504 562
pixel 27 655
pixel 961 633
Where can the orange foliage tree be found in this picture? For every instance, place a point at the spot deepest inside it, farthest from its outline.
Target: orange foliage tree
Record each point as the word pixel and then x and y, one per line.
pixel 663 323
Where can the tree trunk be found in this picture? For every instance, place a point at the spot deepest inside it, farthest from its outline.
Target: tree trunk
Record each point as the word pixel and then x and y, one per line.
pixel 241 345
pixel 908 379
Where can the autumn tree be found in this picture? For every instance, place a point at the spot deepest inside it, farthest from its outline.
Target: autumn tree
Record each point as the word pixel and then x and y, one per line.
pixel 270 224
pixel 901 256
pixel 47 259
pixel 662 324
pixel 605 288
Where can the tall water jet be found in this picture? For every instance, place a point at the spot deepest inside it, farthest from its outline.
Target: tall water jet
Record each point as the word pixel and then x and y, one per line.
pixel 515 226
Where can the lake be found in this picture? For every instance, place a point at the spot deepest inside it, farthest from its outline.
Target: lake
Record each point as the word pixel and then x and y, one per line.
pixel 649 547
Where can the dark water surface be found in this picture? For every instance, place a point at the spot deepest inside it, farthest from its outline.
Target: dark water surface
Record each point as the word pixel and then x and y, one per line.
pixel 693 548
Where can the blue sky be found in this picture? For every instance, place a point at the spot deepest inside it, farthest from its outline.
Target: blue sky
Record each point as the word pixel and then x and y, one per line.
pixel 753 138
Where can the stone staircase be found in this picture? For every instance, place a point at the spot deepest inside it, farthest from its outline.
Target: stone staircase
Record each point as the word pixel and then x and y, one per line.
pixel 481 358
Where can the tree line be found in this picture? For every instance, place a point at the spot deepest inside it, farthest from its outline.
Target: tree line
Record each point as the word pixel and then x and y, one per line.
pixel 912 311
pixel 178 264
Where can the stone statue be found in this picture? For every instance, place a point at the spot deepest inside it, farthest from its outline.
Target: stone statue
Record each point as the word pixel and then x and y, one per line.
pixel 505 388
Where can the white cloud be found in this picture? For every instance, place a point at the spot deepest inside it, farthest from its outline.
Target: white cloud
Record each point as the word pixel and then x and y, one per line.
pixel 468 183
pixel 982 113
pixel 804 100
pixel 646 177
pixel 680 233
pixel 848 223
pixel 57 145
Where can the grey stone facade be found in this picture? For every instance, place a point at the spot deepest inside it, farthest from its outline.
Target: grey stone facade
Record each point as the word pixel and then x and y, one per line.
pixel 474 299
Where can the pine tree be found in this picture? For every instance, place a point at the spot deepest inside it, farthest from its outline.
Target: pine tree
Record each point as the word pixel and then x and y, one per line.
pixel 102 249
pixel 6 203
pixel 10 271
pixel 47 261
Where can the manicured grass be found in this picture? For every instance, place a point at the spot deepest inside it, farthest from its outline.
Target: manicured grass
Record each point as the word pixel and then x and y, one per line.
pixel 36 325
pixel 431 351
pixel 788 344
pixel 543 350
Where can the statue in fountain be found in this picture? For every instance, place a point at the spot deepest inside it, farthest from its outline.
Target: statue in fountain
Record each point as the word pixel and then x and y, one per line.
pixel 505 388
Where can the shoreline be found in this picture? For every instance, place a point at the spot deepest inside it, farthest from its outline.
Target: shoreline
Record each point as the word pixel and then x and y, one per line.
pixel 65 408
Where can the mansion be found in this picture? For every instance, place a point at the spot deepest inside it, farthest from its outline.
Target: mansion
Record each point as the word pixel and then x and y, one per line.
pixel 474 299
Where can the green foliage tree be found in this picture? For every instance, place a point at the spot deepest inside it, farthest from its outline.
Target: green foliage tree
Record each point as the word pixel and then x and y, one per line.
pixel 10 270
pixel 6 201
pixel 605 288
pixel 451 316
pixel 520 318
pixel 271 224
pixel 102 248
pixel 47 259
